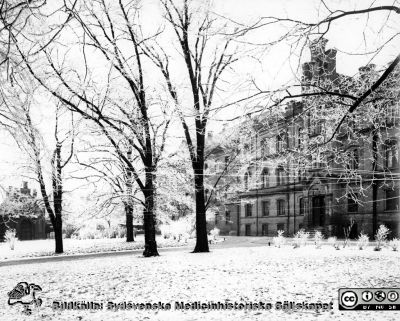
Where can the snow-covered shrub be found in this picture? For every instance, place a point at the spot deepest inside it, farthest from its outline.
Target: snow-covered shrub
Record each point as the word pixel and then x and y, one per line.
pixel 318 239
pixel 362 241
pixel 11 236
pixel 165 230
pixel 177 230
pixel 122 231
pixel 381 236
pixel 333 242
pixel 69 230
pixel 214 232
pixel 395 244
pixel 280 239
pixel 88 233
pixel 300 238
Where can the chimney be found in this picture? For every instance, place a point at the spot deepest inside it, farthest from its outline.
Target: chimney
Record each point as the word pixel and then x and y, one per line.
pixel 34 193
pixel 210 134
pixel 25 185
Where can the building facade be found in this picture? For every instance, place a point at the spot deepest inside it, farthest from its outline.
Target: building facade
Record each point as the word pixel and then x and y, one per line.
pixel 21 212
pixel 285 188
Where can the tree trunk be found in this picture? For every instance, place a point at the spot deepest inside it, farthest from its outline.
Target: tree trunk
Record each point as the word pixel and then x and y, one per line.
pixel 201 222
pixel 150 244
pixel 58 234
pixel 374 183
pixel 129 223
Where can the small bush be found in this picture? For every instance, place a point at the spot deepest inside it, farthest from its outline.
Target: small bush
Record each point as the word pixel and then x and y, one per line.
pixel 381 237
pixel 300 238
pixel 318 237
pixel 10 236
pixel 70 230
pixel 280 239
pixel 214 232
pixel 362 241
pixel 395 244
pixel 332 241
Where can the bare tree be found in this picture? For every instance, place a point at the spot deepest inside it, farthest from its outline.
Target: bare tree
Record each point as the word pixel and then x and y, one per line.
pixel 207 55
pixel 31 141
pixel 121 106
pixel 110 169
pixel 301 33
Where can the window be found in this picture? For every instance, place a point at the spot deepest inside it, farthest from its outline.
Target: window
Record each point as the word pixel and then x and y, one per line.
pixel 246 181
pixel 301 206
pixel 253 144
pixel 264 229
pixel 247 230
pixel 280 178
pixel 391 154
pixel 352 205
pixel 302 171
pixel 392 115
pixel 353 159
pixel 300 137
pixel 265 178
pixel 280 227
pixel 264 148
pixel 316 127
pixel 216 218
pixel 392 200
pixel 248 210
pixel 280 142
pixel 265 208
pixel 227 159
pixel 317 161
pixel 280 205
pixel 227 216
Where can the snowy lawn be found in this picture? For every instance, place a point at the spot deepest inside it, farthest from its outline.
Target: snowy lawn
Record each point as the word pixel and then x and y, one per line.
pixel 242 274
pixel 73 246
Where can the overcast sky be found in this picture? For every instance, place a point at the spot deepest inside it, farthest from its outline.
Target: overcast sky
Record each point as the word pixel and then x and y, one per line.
pixel 276 66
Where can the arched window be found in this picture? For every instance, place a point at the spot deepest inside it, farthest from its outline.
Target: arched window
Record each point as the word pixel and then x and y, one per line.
pixel 280 176
pixel 301 205
pixel 265 178
pixel 391 154
pixel 281 141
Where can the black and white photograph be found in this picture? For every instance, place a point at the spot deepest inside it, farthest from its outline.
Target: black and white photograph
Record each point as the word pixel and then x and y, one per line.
pixel 199 160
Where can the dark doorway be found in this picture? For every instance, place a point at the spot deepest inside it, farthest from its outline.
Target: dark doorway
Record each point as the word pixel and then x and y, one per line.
pixel 247 229
pixel 353 232
pixel 26 230
pixel 318 211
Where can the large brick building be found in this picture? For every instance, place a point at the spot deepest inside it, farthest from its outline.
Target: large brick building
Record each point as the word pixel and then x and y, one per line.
pixel 21 211
pixel 283 189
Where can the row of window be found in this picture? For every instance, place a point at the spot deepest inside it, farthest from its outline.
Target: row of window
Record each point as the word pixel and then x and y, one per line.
pixel 264 229
pixel 265 208
pixel 391 204
pixel 265 178
pixel 391 152
pixel 391 201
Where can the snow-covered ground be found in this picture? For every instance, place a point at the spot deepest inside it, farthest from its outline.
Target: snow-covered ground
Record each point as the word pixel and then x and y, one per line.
pixel 73 246
pixel 237 274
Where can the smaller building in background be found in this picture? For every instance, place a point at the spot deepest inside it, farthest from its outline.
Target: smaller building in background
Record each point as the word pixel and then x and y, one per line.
pixel 21 211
